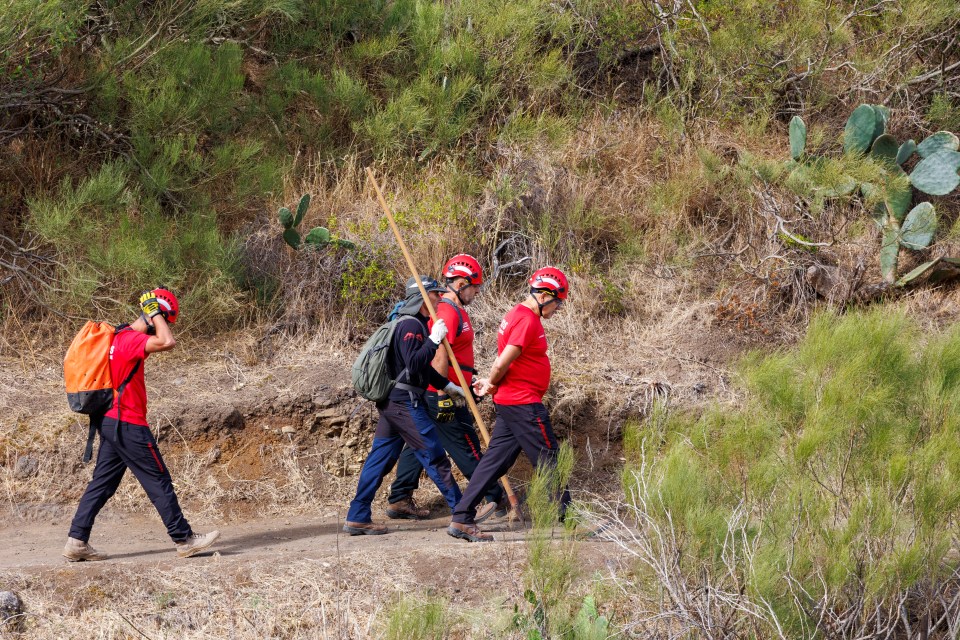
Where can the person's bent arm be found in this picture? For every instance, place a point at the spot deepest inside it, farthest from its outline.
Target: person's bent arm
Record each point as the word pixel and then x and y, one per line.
pixel 488 385
pixel 163 340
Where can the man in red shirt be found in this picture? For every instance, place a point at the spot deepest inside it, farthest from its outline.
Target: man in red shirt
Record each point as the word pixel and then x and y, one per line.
pixel 455 427
pixel 518 379
pixel 127 442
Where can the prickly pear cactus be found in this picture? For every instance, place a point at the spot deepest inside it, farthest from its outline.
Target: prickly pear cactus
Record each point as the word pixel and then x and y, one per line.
pixel 937 173
pixel 316 238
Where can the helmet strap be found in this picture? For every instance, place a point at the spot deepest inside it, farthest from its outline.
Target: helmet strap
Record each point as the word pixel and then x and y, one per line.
pixel 151 330
pixel 541 305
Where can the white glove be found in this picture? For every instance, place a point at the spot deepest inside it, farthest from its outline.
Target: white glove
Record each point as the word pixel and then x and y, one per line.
pixel 438 333
pixel 453 389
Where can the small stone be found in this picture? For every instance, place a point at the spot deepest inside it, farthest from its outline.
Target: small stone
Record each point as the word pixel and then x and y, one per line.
pixel 11 612
pixel 26 467
pixel 288 429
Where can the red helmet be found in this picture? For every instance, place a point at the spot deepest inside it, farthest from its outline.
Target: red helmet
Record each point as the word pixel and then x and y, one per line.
pixel 550 279
pixel 169 305
pixel 463 265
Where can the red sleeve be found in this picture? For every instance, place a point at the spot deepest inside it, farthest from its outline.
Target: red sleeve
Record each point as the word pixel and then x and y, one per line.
pixel 449 316
pixel 134 345
pixel 521 333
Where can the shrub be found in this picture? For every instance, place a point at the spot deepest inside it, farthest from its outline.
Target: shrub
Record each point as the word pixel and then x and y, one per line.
pixel 830 497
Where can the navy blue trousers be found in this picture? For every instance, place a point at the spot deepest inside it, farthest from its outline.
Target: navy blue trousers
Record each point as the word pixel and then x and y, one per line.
pixel 134 447
pixel 399 423
pixel 522 427
pixel 459 438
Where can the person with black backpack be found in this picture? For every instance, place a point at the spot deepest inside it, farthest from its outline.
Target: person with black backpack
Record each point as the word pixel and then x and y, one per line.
pixel 126 441
pixel 403 413
pixel 455 426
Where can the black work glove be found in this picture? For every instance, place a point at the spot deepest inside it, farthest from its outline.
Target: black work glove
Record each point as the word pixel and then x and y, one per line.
pixel 445 409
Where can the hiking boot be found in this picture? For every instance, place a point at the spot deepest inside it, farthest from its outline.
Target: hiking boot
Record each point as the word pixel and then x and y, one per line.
pixel 364 528
pixel 196 543
pixel 484 511
pixel 406 509
pixel 78 551
pixel 469 532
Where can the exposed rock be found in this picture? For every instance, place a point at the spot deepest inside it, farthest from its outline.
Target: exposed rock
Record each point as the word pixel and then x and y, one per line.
pixel 26 467
pixel 11 612
pixel 212 419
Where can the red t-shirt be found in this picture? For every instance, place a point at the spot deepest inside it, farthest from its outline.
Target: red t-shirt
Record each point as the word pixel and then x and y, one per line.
pixel 462 345
pixel 129 347
pixel 528 376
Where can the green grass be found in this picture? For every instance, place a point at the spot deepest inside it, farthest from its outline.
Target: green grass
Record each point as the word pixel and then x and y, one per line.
pixel 413 619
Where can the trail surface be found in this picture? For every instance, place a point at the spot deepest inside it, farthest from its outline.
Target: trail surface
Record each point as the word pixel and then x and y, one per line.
pixel 136 539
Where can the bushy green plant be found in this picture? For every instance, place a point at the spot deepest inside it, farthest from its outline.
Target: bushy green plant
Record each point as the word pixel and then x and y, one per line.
pixel 837 465
pixel 552 565
pixel 109 239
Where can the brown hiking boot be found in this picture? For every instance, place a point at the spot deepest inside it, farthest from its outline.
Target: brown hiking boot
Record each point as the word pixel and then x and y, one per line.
pixel 196 543
pixel 469 532
pixel 407 509
pixel 78 551
pixel 484 511
pixel 364 528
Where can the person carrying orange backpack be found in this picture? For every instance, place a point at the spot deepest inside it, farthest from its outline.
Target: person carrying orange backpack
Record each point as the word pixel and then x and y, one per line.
pixel 126 441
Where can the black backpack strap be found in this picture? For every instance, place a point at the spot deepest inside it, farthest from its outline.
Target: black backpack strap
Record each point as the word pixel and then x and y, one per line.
pixel 96 420
pixel 459 315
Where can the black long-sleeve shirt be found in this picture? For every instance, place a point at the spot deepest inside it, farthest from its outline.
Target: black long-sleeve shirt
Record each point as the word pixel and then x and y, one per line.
pixel 412 349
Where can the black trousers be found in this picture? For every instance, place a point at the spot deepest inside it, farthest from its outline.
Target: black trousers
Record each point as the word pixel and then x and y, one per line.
pixel 129 446
pixel 458 438
pixel 522 427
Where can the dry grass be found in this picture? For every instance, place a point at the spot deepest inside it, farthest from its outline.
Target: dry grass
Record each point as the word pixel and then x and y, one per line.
pixel 349 595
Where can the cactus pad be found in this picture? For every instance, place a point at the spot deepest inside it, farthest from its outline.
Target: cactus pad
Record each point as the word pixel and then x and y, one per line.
pixel 286 218
pixel 301 209
pixel 885 149
pixel 883 117
pixel 937 142
pixel 798 137
pixel 889 252
pixel 318 237
pixel 906 150
pixel 292 238
pixel 937 174
pixel 919 227
pixel 858 134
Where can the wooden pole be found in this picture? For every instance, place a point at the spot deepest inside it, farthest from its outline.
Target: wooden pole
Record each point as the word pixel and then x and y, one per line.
pixel 468 396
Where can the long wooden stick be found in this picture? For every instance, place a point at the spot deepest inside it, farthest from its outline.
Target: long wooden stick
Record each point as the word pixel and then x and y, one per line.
pixel 433 315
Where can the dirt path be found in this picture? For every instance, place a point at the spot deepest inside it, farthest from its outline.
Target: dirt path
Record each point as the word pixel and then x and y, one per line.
pixel 135 539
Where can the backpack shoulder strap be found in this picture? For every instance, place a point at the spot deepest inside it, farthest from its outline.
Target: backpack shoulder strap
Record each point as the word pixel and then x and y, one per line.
pixel 459 315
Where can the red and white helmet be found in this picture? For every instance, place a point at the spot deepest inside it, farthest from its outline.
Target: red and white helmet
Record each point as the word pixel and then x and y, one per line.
pixel 169 305
pixel 463 265
pixel 550 279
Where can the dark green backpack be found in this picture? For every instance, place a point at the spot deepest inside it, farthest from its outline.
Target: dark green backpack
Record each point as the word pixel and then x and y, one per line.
pixel 370 374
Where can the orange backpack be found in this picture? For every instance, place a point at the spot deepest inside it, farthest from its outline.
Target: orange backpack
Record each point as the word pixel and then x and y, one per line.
pixel 86 374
